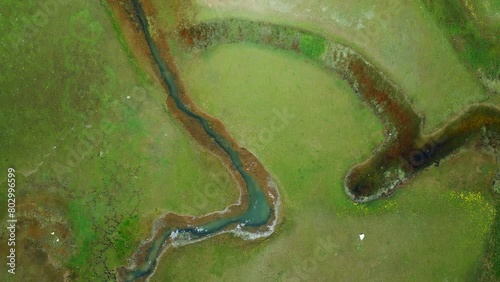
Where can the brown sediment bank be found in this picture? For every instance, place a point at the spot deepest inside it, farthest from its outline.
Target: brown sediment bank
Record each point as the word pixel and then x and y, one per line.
pixel 131 27
pixel 406 150
pixel 402 124
pixel 411 152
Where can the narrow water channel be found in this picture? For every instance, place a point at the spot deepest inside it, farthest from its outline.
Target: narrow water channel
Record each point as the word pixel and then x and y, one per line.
pixel 259 210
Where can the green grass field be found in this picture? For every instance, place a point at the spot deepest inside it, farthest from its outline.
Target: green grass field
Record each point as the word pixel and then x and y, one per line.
pixel 98 154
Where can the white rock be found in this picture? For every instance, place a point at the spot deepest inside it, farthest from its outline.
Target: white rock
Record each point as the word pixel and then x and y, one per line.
pixel 361 236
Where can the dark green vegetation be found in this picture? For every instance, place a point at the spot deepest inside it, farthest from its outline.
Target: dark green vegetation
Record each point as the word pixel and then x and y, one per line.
pixel 97 154
pixel 62 118
pixel 476 44
pixel 126 236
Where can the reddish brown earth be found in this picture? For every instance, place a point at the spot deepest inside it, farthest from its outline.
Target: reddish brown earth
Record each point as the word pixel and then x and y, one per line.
pixel 405 148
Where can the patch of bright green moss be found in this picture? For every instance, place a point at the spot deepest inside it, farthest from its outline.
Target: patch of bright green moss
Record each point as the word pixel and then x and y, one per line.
pixel 311 45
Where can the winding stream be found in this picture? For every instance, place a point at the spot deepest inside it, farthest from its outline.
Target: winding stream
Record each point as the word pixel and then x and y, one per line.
pixel 259 209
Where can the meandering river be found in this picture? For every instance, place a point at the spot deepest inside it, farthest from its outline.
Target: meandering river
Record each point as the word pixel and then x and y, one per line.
pixel 259 209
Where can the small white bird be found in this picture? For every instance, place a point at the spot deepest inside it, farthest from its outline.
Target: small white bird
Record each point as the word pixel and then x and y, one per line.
pixel 361 236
